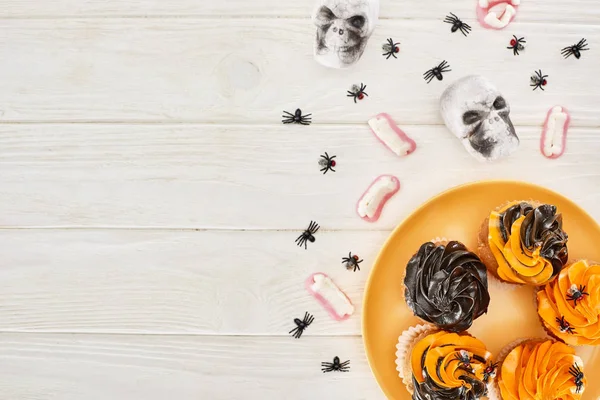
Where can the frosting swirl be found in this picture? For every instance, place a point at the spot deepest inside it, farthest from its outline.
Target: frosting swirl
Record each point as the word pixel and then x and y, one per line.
pixel 448 366
pixel 447 286
pixel 542 370
pixel 569 306
pixel 528 243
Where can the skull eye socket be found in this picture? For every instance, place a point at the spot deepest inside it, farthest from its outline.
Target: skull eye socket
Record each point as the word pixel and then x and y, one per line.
pixel 325 16
pixel 471 117
pixel 500 103
pixel 357 21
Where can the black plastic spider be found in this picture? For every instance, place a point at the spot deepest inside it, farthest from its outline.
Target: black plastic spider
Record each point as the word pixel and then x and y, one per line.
pixel 457 24
pixel 335 365
pixel 576 294
pixel 489 371
pixel 390 49
pixel 436 72
pixel 464 359
pixel 352 262
pixel 538 80
pixel 575 50
pixel 301 325
pixel 578 375
pixel 516 44
pixel 327 163
pixel 357 93
pixel 296 118
pixel 308 234
pixel 564 325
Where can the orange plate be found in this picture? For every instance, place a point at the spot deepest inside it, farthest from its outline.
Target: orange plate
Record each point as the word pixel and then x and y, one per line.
pixel 457 214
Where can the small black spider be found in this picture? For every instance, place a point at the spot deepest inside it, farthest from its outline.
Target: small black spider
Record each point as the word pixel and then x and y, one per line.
pixel 489 371
pixel 464 359
pixel 335 365
pixel 357 93
pixel 390 49
pixel 516 44
pixel 576 294
pixel 301 325
pixel 578 375
pixel 308 234
pixel 575 50
pixel 352 262
pixel 327 163
pixel 538 80
pixel 564 325
pixel 436 72
pixel 296 118
pixel 457 24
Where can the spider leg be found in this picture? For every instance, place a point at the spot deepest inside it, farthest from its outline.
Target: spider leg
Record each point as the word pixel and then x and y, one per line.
pixel 388 55
pixel 293 330
pixel 365 94
pixel 289 113
pixel 324 169
pixel 310 320
pixel 317 228
pixel 362 87
pixel 333 170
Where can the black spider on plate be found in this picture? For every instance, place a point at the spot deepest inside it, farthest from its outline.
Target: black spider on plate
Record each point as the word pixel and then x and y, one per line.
pixel 489 371
pixel 457 24
pixel 352 262
pixel 327 163
pixel 575 50
pixel 357 93
pixel 308 234
pixel 301 325
pixel 538 80
pixel 390 48
pixel 564 325
pixel 578 375
pixel 576 294
pixel 516 44
pixel 335 365
pixel 436 72
pixel 296 118
pixel 464 359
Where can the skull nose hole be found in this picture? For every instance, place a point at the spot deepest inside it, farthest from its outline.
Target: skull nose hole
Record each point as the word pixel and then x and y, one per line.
pixel 334 29
pixel 341 31
pixel 497 119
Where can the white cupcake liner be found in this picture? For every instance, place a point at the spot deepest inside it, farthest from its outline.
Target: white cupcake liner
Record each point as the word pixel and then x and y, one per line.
pixel 407 340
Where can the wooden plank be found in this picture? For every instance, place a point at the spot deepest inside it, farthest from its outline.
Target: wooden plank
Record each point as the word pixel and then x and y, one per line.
pixel 175 282
pixel 531 10
pixel 99 367
pixel 251 177
pixel 165 70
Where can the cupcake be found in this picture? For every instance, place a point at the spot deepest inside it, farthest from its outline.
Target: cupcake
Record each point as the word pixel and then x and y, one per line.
pixel 569 306
pixel 444 365
pixel 446 285
pixel 539 369
pixel 524 243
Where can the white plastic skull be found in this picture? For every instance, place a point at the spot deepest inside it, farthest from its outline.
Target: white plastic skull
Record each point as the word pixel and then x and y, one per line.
pixel 475 112
pixel 343 29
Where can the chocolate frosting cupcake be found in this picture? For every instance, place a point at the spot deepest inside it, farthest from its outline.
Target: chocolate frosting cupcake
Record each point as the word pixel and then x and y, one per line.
pixel 447 286
pixel 429 390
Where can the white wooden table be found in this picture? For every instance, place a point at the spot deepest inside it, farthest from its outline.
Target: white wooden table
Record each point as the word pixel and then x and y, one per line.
pixel 150 196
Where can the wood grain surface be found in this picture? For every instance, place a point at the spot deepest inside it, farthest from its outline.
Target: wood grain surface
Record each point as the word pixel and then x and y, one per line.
pixel 150 196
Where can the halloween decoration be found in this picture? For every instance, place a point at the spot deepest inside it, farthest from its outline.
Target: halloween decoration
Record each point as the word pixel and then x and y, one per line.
pixel 564 325
pixel 343 29
pixel 538 80
pixel 335 365
pixel 578 376
pixel 327 163
pixel 385 129
pixel 575 50
pixel 554 133
pixel 390 49
pixel 330 296
pixel 352 262
pixel 308 234
pixel 477 113
pixel 373 200
pixel 516 45
pixel 357 92
pixel 301 325
pixel 457 24
pixel 436 72
pixel 576 294
pixel 496 14
pixel 296 118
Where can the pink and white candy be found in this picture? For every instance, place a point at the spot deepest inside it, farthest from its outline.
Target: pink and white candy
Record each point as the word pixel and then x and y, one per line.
pixel 491 16
pixel 387 132
pixel 373 200
pixel 331 297
pixel 554 134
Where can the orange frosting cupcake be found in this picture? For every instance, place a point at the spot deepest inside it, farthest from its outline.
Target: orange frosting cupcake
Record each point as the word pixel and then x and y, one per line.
pixel 544 370
pixel 527 243
pixel 570 305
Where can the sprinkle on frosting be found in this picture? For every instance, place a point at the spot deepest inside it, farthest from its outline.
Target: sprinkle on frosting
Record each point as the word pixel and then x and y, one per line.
pixel 542 370
pixel 569 306
pixel 449 366
pixel 528 243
